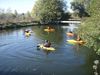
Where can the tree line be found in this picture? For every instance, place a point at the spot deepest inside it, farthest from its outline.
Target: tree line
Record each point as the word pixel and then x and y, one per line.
pixel 43 11
pixel 7 16
pixel 50 10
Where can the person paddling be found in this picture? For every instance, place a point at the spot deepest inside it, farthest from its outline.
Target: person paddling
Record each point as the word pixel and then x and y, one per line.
pixel 78 38
pixel 48 27
pixel 70 33
pixel 47 43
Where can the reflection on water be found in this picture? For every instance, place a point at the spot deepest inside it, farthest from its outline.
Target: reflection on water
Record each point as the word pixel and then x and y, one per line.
pixel 19 54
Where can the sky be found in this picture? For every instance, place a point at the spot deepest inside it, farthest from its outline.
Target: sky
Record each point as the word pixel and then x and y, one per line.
pixel 22 6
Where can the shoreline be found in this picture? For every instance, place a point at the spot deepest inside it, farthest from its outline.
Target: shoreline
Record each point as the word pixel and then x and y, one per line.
pixel 17 25
pixel 25 24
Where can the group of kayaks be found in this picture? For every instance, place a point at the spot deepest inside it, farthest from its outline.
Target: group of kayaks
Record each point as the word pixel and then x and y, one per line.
pixel 48 29
pixel 72 41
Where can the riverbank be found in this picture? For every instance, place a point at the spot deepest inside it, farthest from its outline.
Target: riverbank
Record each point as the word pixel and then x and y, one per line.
pixel 90 27
pixel 17 25
pixel 25 24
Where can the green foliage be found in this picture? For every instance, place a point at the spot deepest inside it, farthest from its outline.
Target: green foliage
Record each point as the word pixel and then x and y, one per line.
pixel 90 27
pixel 48 10
pixel 79 8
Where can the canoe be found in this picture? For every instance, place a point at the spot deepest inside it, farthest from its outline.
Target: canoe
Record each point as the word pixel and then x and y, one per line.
pixel 49 30
pixel 70 34
pixel 46 48
pixel 75 42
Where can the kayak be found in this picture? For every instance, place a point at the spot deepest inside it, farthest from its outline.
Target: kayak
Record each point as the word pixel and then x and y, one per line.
pixel 49 30
pixel 27 34
pixel 71 42
pixel 46 48
pixel 75 42
pixel 70 34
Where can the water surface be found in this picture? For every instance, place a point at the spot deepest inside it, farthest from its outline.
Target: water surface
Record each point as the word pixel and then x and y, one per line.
pixel 19 54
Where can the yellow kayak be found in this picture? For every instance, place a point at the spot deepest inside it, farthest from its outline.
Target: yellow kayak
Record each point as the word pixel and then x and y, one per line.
pixel 76 42
pixel 46 48
pixel 72 41
pixel 49 30
pixel 27 34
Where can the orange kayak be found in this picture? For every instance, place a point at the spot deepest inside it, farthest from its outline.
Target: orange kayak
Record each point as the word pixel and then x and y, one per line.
pixel 70 34
pixel 49 30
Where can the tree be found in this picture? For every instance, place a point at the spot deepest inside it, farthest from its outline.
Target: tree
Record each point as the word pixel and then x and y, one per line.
pixel 79 7
pixel 15 13
pixel 89 29
pixel 28 16
pixel 48 10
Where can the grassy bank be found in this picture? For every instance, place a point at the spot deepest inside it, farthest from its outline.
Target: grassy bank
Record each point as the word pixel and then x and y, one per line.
pixel 90 27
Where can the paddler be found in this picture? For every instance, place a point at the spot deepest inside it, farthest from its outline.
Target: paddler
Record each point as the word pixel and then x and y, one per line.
pixel 47 43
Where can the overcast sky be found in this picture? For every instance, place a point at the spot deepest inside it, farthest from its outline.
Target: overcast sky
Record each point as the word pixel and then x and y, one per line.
pixel 22 6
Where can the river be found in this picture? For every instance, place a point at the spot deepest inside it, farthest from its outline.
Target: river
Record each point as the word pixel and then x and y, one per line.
pixel 19 55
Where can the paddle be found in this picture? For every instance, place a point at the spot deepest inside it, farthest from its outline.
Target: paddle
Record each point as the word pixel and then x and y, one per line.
pixel 38 46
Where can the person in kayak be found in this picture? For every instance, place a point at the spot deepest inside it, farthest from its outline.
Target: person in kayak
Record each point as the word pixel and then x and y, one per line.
pixel 47 43
pixel 70 32
pixel 78 38
pixel 48 27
